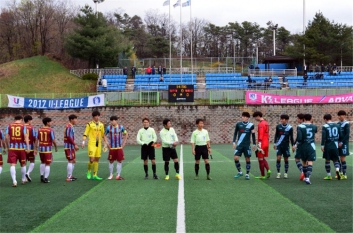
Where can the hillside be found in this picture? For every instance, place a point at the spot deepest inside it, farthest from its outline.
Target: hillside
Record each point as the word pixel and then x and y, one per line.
pixel 40 75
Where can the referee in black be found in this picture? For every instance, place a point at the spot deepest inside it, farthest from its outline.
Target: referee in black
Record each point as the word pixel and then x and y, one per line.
pixel 201 147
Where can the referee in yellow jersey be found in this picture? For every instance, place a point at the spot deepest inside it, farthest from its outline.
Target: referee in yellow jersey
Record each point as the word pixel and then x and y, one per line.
pixel 95 133
pixel 201 147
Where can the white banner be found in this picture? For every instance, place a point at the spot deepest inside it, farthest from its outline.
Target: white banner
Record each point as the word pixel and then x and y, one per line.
pixel 96 101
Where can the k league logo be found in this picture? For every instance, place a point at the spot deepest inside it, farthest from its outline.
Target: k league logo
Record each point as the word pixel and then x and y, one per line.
pixel 253 96
pixel 96 100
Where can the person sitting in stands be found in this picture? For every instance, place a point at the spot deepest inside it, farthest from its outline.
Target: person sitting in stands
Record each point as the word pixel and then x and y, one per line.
pixel 267 82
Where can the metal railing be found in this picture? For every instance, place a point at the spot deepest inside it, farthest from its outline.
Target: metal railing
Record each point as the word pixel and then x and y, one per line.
pixel 273 72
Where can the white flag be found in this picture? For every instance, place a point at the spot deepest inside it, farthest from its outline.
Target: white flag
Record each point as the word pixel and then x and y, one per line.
pixel 187 3
pixel 177 4
pixel 166 3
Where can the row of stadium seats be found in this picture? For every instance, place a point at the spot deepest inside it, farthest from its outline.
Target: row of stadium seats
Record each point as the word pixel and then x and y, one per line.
pixel 223 75
pixel 109 76
pixel 112 88
pixel 144 76
pixel 154 87
pixel 328 73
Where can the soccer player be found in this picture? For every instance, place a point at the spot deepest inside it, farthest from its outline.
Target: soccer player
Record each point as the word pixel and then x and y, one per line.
pixel 306 140
pixel 2 149
pixel 117 137
pixel 169 142
pixel 331 136
pixel 70 147
pixel 201 147
pixel 95 132
pixel 32 137
pixel 242 145
pixel 344 147
pixel 263 139
pixel 284 134
pixel 297 148
pixel 146 137
pixel 46 140
pixel 18 145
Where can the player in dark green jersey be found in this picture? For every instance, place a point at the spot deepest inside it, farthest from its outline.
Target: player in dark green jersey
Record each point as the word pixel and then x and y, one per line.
pixel 296 148
pixel 244 130
pixel 306 141
pixel 344 147
pixel 331 136
pixel 283 135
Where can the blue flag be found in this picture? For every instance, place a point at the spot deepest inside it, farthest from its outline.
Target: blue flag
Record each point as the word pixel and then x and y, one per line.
pixel 177 4
pixel 166 3
pixel 187 3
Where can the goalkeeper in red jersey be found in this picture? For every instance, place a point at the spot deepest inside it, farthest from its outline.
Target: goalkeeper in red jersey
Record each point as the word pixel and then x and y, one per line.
pixel 263 144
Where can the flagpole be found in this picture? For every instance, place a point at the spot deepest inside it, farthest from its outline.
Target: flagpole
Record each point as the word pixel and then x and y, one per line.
pixel 170 45
pixel 192 29
pixel 181 45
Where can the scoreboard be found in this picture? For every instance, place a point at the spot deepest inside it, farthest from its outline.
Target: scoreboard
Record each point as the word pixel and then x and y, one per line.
pixel 180 93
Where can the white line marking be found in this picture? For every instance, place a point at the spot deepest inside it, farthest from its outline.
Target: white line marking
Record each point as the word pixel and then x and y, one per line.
pixel 181 201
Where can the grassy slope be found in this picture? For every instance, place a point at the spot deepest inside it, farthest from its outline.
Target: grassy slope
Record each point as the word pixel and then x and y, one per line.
pixel 40 75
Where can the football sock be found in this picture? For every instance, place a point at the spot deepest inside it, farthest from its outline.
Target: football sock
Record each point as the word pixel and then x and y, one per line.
pixel 90 166
pixel 344 167
pixel 166 167
pixel 119 167
pixel 111 165
pixel 47 171
pixel 305 169
pixel 13 173
pixel 339 161
pixel 237 165
pixel 208 168
pixel 95 168
pixel 176 166
pixel 266 164
pixel 248 166
pixel 23 172
pixel 278 165
pixel 328 168
pixel 262 167
pixel 69 170
pixel 145 168
pixel 337 165
pixel 197 169
pixel 154 169
pixel 286 166
pixel 0 169
pixel 310 170
pixel 299 165
pixel 30 168
pixel 73 166
pixel 42 169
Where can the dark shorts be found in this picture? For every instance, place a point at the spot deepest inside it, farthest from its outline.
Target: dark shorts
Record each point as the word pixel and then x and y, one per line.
pixel 70 154
pixel 246 150
pixel 169 153
pixel 30 156
pixel 331 154
pixel 283 150
pixel 201 151
pixel 14 155
pixel 308 155
pixel 46 158
pixel 116 155
pixel 147 152
pixel 298 153
pixel 344 150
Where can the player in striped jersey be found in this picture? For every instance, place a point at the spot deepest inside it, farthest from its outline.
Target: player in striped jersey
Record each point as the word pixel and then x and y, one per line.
pixel 344 146
pixel 46 140
pixel 117 136
pixel 32 137
pixel 2 148
pixel 70 147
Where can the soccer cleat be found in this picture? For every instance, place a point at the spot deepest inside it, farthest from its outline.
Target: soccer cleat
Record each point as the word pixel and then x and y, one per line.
pixel 96 178
pixel 155 177
pixel 14 184
pixel 89 176
pixel 285 176
pixel 178 177
pixel 260 177
pixel 338 175
pixel 73 178
pixel 110 177
pixel 238 175
pixel 344 177
pixel 119 178
pixel 24 182
pixel 208 177
pixel 146 177
pixel 68 179
pixel 269 173
pixel 328 178
pixel 278 176
pixel 247 177
pixel 307 181
pixel 42 179
pixel 166 177
pixel 28 178
pixel 302 176
pixel 196 178
pixel 46 180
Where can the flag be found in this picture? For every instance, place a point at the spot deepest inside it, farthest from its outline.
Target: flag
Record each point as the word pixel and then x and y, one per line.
pixel 187 3
pixel 166 3
pixel 177 4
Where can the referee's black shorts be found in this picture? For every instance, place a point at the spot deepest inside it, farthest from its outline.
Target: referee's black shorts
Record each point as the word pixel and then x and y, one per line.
pixel 201 151
pixel 147 152
pixel 169 153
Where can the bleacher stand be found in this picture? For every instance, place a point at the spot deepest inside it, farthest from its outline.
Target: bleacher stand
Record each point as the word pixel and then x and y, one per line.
pixel 112 83
pixel 154 82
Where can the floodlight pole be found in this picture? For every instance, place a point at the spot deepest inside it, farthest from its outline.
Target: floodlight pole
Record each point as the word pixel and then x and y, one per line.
pixel 304 31
pixel 274 41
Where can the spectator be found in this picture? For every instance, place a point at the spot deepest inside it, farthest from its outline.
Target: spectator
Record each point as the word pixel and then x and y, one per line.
pixel 322 68
pixel 250 81
pixel 305 70
pixel 334 69
pixel 329 68
pixel 159 70
pixel 317 68
pixel 125 71
pixel 164 70
pixel 161 79
pixel 305 77
pixel 153 70
pixel 267 82
pixel 149 70
pixel 104 82
pixel 133 71
pixel 311 68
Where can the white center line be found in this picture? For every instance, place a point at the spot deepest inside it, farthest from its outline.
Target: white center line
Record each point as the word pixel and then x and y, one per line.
pixel 181 201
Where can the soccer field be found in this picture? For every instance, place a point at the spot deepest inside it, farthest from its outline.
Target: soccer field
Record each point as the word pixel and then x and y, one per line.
pixel 223 204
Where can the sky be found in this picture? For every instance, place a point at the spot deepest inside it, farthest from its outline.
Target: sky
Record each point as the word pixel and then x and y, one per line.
pixel 286 13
